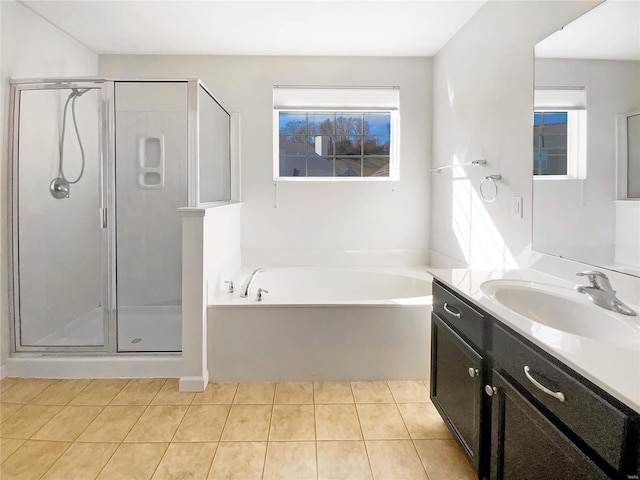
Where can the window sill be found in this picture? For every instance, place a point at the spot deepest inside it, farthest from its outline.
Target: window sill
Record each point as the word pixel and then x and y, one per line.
pixel 335 179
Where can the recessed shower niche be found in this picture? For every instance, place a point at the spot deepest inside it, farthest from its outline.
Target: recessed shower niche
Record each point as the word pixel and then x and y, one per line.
pixel 99 169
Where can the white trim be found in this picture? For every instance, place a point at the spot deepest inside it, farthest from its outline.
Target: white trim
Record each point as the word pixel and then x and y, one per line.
pixel 3 371
pixel 112 366
pixel 335 98
pixel 194 384
pixel 563 98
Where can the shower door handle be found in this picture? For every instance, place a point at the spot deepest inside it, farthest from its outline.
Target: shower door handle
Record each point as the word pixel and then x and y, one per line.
pixel 103 218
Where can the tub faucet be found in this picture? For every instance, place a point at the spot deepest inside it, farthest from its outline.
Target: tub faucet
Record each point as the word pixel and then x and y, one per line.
pixel 247 287
pixel 601 293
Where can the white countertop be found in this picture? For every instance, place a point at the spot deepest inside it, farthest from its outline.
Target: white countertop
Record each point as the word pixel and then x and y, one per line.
pixel 613 368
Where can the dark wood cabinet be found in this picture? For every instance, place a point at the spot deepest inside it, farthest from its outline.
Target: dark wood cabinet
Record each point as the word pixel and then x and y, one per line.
pixel 456 387
pixel 525 445
pixel 517 412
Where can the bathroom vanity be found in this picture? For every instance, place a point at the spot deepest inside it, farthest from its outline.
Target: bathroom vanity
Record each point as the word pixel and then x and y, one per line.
pixel 526 400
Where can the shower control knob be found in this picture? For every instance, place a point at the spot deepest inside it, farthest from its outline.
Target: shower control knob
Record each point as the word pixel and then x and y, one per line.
pixel 474 372
pixel 490 391
pixel 260 292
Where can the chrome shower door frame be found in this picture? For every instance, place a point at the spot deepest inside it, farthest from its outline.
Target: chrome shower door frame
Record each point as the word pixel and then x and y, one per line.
pixel 107 202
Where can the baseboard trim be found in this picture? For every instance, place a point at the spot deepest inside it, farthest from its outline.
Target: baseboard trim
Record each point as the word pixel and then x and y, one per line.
pixel 194 383
pixel 121 366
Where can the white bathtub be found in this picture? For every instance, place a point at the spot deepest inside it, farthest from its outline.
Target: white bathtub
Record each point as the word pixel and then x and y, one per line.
pixel 322 323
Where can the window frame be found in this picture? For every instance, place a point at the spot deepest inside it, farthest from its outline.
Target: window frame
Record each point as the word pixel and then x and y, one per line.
pixel 572 101
pixel 393 146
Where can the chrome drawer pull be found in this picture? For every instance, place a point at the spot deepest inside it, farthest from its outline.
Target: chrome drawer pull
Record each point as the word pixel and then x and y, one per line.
pixel 558 395
pixel 452 310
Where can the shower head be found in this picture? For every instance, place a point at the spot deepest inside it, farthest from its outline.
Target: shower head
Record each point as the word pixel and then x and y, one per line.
pixel 76 92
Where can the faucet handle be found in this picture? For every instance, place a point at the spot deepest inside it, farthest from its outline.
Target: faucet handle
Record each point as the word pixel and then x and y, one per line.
pixel 231 287
pixel 260 292
pixel 597 279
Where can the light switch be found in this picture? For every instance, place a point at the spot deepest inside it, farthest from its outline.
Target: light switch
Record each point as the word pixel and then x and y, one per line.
pixel 516 207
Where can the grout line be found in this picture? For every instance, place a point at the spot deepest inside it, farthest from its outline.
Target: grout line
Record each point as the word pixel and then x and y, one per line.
pixel 315 428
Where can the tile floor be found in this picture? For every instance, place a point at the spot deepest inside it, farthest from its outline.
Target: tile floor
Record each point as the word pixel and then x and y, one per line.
pixel 146 429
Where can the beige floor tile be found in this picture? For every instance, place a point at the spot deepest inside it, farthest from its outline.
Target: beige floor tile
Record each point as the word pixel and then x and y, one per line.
pixel 381 422
pixel 68 423
pixel 61 393
pixel 423 421
pixel 81 461
pixel 394 459
pixel 186 461
pixel 8 409
pixel 202 423
pixel 22 465
pixel 238 461
pixel 408 391
pixel 247 423
pixel 158 423
pixel 99 392
pixel 27 421
pixel 337 422
pixel 217 393
pixel 372 392
pixel 294 393
pixel 8 446
pixel 290 460
pixel 169 394
pixel 343 460
pixel 112 424
pixel 255 393
pixel 8 382
pixel 332 392
pixel 444 460
pixel 133 461
pixel 292 422
pixel 26 389
pixel 139 391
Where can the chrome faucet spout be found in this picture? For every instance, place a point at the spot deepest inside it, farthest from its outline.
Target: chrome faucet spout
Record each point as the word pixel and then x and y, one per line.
pixel 247 287
pixel 602 294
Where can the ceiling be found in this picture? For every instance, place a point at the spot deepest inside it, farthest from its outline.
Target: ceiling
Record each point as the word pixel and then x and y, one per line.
pixel 239 27
pixel 610 31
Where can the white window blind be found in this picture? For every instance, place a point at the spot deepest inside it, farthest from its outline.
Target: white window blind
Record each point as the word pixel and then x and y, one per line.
pixel 573 98
pixel 335 98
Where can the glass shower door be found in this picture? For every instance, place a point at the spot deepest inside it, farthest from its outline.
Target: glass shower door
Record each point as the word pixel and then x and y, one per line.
pixel 151 184
pixel 59 239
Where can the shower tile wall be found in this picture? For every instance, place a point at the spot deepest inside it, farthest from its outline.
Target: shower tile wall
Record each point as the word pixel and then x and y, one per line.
pixel 148 226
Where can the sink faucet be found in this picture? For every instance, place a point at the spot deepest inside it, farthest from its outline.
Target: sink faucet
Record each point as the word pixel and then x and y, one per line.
pixel 247 287
pixel 601 293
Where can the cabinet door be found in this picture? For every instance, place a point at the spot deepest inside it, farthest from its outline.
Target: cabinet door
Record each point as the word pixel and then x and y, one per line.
pixel 456 386
pixel 526 446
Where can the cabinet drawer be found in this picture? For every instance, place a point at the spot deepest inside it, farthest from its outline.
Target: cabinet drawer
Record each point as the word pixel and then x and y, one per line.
pixel 461 315
pixel 597 422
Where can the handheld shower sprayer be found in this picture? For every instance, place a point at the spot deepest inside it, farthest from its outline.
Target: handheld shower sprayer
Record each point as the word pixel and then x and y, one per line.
pixel 60 186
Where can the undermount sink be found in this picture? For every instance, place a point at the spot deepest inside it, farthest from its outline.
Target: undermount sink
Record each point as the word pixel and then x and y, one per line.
pixel 562 309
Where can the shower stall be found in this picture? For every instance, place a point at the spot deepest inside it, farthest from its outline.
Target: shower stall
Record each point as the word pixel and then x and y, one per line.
pixel 98 171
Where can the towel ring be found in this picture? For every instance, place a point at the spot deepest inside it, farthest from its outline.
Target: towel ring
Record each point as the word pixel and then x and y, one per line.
pixel 492 179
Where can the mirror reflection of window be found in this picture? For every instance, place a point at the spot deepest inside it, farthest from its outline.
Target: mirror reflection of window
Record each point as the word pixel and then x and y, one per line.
pixel 633 156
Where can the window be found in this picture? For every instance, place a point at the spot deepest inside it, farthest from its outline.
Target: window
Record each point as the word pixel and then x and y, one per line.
pixel 335 133
pixel 559 134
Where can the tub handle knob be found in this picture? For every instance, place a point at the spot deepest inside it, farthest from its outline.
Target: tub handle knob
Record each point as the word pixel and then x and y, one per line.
pixel 230 283
pixel 260 292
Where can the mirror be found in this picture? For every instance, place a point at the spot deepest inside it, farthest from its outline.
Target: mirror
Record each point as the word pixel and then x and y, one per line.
pixel 586 165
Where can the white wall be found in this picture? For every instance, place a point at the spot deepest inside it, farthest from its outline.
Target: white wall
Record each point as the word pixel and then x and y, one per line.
pixel 315 222
pixel 577 219
pixel 149 228
pixel 30 47
pixel 483 104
